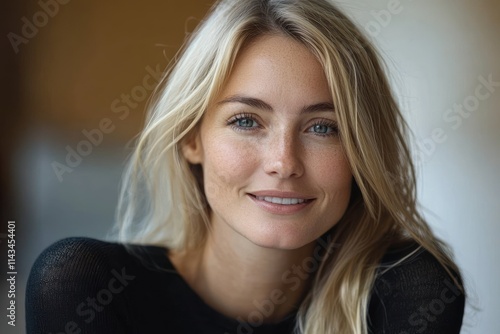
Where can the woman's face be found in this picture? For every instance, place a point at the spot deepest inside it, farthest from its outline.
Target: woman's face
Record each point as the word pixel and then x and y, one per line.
pixel 274 170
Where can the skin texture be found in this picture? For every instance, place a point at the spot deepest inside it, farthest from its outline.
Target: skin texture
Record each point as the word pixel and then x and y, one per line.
pixel 243 148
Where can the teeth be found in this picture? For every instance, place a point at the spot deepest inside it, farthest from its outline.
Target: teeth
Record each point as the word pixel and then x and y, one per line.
pixel 280 200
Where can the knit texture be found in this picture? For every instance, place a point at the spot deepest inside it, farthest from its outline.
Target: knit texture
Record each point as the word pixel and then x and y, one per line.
pixel 83 285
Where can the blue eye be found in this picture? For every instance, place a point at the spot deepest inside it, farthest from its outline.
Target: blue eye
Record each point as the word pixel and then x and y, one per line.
pixel 243 122
pixel 320 128
pixel 324 128
pixel 246 123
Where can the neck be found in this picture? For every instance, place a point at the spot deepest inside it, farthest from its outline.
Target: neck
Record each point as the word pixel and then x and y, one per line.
pixel 237 277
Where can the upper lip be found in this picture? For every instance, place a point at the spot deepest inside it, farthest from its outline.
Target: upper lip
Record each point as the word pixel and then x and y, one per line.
pixel 281 194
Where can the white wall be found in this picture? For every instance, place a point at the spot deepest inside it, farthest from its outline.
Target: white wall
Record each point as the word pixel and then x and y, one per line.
pixel 437 51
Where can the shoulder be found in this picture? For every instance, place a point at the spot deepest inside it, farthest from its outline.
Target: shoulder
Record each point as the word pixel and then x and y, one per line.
pixel 83 282
pixel 75 264
pixel 413 293
pixel 87 258
pixel 72 247
pixel 77 254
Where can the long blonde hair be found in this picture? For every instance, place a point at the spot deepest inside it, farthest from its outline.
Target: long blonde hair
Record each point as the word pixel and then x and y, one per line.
pixel 162 202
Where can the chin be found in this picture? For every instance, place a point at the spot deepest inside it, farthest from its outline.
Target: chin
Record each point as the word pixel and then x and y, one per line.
pixel 280 241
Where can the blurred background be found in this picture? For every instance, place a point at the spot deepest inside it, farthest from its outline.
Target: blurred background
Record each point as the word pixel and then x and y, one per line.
pixel 77 76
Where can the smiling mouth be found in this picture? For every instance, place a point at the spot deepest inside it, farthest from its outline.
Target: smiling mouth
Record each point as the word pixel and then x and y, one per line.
pixel 281 200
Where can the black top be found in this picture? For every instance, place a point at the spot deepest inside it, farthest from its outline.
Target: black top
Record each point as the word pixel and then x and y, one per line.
pixel 83 285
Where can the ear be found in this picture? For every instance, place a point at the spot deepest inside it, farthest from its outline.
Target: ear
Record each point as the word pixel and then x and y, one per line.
pixel 192 149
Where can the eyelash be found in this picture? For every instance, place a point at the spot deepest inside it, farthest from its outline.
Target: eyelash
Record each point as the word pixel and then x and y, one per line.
pixel 232 122
pixel 238 117
pixel 333 125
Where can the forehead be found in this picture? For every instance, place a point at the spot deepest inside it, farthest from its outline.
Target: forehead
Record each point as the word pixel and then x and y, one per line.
pixel 274 67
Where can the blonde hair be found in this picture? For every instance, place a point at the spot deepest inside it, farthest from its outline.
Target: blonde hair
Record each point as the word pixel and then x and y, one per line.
pixel 162 201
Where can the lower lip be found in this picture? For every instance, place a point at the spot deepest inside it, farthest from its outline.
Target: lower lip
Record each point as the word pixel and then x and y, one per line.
pixel 280 209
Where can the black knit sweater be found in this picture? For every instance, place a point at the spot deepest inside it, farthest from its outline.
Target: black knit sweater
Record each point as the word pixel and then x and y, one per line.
pixel 83 285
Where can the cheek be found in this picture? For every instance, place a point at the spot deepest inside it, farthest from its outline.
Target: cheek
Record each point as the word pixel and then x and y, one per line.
pixel 333 172
pixel 228 166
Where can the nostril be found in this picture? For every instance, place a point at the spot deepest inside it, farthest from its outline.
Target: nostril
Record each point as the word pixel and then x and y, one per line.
pixel 285 168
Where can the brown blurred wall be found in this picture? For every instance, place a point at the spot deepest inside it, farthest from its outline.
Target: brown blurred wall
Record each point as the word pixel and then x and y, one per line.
pixel 94 52
pixel 70 66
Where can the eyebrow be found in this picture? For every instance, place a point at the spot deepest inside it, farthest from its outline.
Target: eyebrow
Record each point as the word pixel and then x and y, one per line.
pixel 259 104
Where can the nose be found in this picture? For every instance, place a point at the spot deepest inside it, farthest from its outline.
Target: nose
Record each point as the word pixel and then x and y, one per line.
pixel 284 157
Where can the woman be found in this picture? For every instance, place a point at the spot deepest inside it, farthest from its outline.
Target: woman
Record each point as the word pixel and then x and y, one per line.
pixel 274 181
